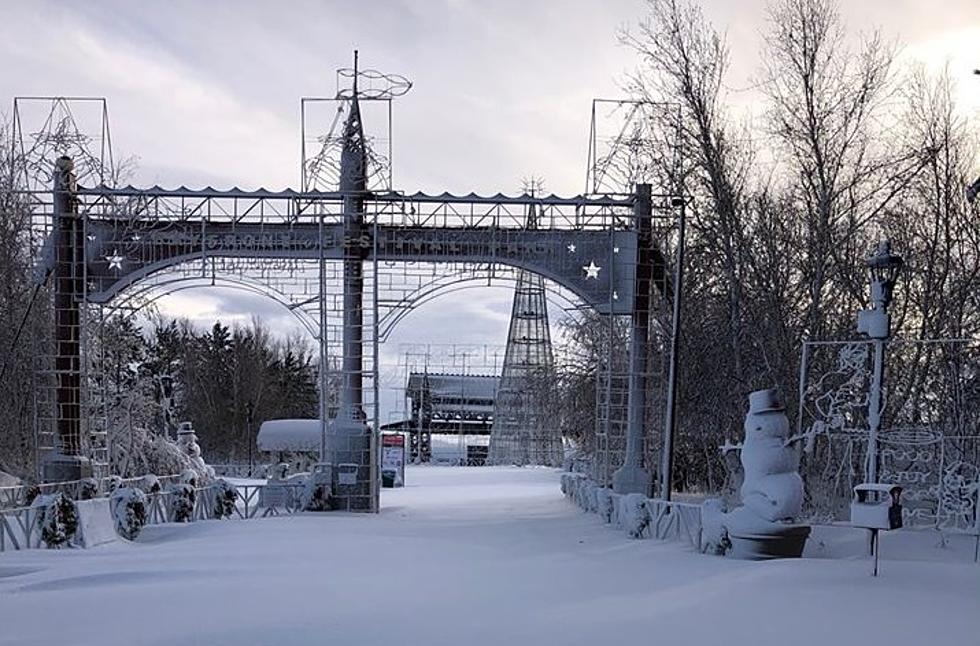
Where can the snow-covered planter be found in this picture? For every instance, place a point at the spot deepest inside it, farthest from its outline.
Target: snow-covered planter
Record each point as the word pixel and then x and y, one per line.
pixel 88 488
pixel 56 519
pixel 182 497
pixel 225 496
pixel 129 511
pixel 634 516
pixel 605 506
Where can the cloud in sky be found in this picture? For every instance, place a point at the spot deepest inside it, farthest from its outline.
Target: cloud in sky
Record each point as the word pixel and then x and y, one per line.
pixel 208 93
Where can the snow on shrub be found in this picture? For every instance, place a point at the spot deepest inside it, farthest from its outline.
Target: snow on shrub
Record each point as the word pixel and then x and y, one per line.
pixel 56 519
pixel 31 494
pixel 605 506
pixel 587 496
pixel 634 515
pixel 316 495
pixel 88 488
pixel 136 450
pixel 189 476
pixel 225 496
pixel 129 511
pixel 114 483
pixel 151 484
pixel 617 503
pixel 714 536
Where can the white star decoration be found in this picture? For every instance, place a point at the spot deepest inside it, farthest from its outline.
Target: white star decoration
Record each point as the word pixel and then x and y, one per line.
pixel 615 296
pixel 615 249
pixel 571 248
pixel 90 238
pixel 591 270
pixel 115 260
pixel 136 237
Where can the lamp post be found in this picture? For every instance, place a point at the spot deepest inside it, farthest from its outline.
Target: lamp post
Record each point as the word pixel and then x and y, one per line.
pixel 883 268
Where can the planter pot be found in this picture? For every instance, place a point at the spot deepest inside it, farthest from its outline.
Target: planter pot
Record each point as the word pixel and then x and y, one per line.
pixel 774 542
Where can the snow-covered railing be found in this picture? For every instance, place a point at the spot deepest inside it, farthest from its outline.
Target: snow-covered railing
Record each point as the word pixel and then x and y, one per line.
pixel 675 521
pixel 637 515
pixel 19 528
pixel 21 495
pixel 241 470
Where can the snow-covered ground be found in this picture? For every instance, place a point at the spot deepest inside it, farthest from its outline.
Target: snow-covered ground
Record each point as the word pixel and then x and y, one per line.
pixel 477 556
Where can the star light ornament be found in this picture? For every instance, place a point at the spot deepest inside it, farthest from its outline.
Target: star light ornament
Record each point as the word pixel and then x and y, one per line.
pixel 571 248
pixel 591 270
pixel 115 261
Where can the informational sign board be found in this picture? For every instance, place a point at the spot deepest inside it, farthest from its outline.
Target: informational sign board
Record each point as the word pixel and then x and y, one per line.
pixel 392 460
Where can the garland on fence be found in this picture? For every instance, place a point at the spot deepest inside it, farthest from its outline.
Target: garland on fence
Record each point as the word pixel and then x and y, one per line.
pixel 225 496
pixel 56 518
pixel 128 506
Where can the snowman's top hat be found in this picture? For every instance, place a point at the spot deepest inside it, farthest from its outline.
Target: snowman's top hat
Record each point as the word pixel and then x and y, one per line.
pixel 763 401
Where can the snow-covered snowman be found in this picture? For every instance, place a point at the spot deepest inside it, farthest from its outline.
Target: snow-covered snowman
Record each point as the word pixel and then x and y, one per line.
pixel 772 488
pixel 764 526
pixel 187 441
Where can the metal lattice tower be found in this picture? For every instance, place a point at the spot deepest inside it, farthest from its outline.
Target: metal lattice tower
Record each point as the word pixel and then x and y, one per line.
pixel 521 432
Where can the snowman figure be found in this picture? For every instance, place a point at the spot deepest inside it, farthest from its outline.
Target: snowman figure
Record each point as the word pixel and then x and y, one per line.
pixel 772 489
pixel 764 526
pixel 187 441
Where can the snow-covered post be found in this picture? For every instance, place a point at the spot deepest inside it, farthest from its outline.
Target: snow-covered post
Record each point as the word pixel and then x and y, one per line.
pixel 631 477
pixel 884 267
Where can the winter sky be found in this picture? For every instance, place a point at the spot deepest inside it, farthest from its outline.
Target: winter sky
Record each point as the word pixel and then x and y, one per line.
pixel 208 93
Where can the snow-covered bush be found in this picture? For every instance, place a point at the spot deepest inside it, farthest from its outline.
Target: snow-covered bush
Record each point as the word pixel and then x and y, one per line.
pixel 114 483
pixel 182 497
pixel 225 496
pixel 129 511
pixel 56 518
pixel 88 488
pixel 714 536
pixel 316 495
pixel 605 506
pixel 31 493
pixel 634 515
pixel 151 484
pixel 587 494
pixel 617 503
pixel 136 451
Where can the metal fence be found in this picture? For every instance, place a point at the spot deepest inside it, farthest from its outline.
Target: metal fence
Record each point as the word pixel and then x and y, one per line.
pixel 22 495
pixel 661 519
pixel 19 527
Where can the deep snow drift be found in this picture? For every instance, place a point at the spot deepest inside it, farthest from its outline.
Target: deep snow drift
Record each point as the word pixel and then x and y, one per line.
pixel 477 556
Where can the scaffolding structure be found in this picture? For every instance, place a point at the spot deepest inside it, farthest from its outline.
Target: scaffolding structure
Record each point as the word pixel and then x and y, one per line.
pixel 632 142
pixel 115 249
pixel 446 389
pixel 54 139
pixel 522 432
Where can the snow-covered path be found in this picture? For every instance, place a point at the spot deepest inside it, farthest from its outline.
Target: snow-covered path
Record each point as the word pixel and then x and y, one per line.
pixel 465 556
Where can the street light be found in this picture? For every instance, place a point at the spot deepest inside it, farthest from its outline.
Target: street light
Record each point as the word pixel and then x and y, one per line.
pixel 883 268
